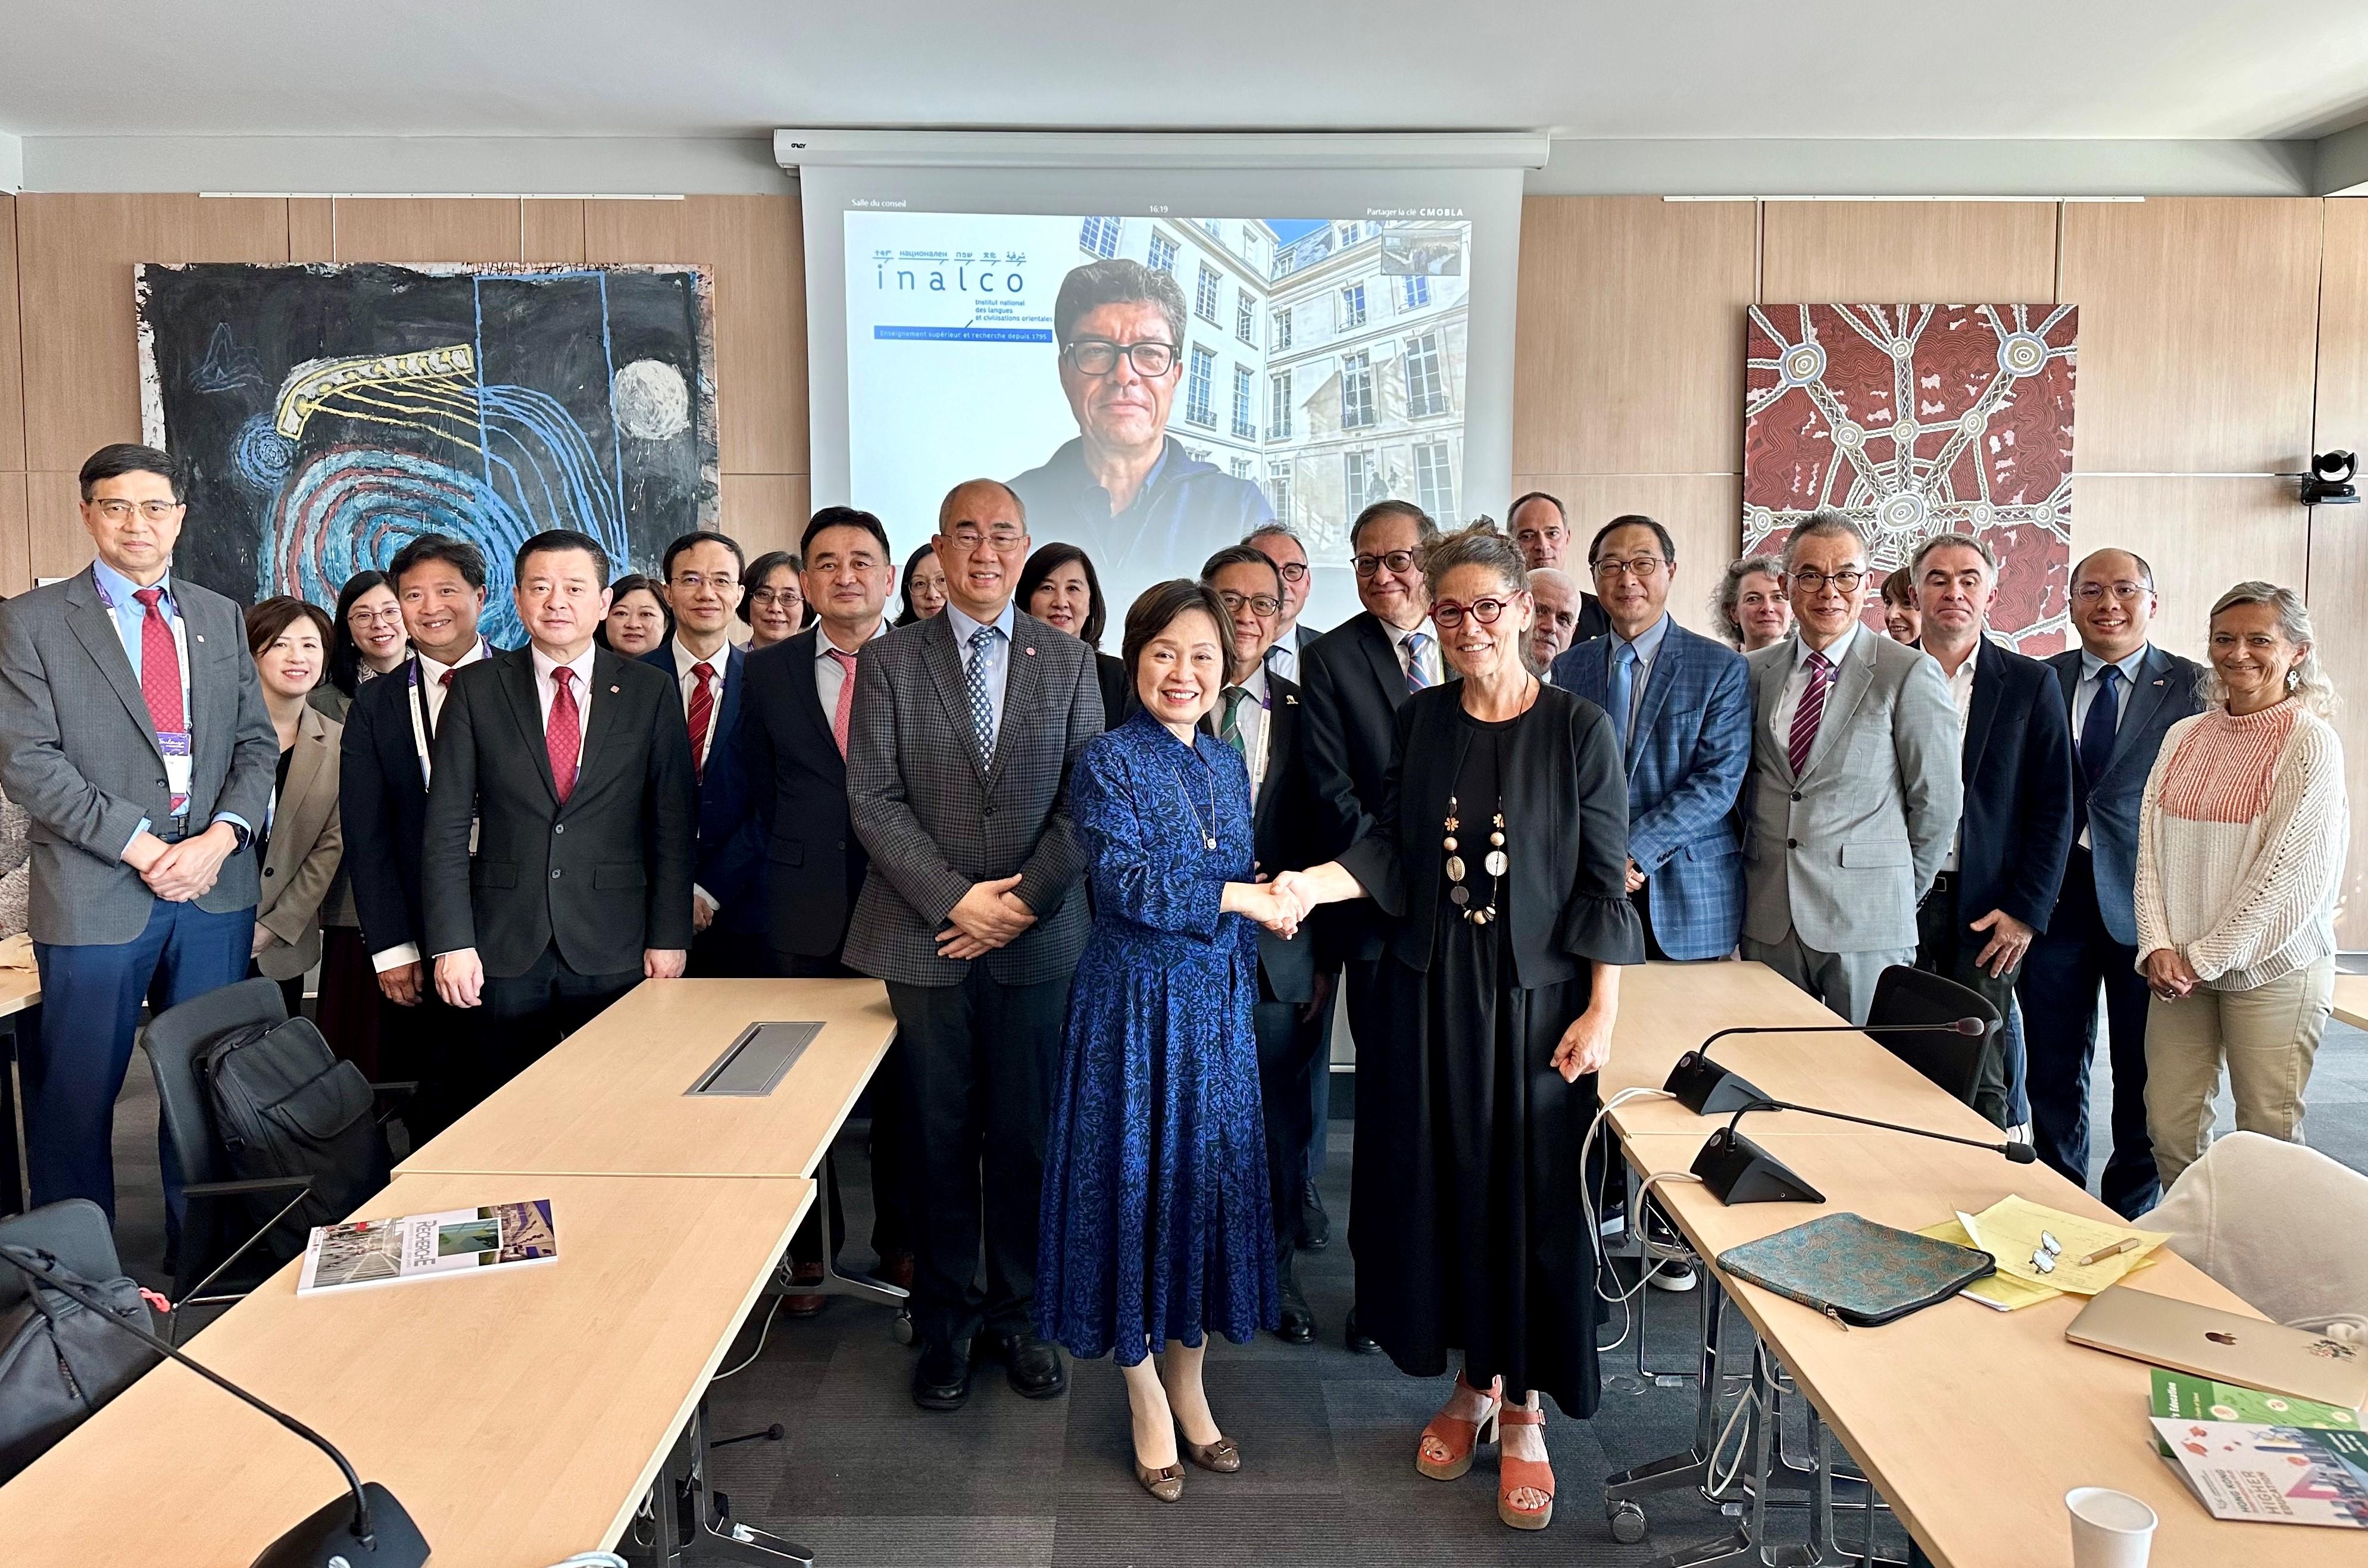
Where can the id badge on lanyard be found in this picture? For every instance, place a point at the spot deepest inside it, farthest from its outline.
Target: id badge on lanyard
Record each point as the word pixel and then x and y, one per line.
pixel 174 744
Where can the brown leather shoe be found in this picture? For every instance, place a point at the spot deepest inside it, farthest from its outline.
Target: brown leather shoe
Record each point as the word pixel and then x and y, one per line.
pixel 896 1269
pixel 1166 1483
pixel 802 1304
pixel 1220 1456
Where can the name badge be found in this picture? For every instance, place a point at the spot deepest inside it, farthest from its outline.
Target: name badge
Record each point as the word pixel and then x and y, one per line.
pixel 174 744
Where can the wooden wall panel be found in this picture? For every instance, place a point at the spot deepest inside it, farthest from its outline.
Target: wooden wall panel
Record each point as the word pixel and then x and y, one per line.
pixel 2201 533
pixel 1628 356
pixel 429 228
pixel 16 546
pixel 312 229
pixel 553 231
pixel 12 368
pixel 56 544
pixel 769 511
pixel 1939 253
pixel 754 244
pixel 2341 413
pixel 2198 324
pixel 1703 512
pixel 2339 535
pixel 74 259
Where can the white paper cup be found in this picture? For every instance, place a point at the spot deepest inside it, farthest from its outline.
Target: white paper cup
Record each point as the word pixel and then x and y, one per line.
pixel 2109 1529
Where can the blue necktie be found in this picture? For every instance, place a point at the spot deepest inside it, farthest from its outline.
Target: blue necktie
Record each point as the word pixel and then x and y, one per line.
pixel 1624 693
pixel 2096 729
pixel 981 716
pixel 1414 643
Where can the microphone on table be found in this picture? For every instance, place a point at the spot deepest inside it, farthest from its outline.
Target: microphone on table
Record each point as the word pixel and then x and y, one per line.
pixel 1706 1088
pixel 366 1529
pixel 1736 1170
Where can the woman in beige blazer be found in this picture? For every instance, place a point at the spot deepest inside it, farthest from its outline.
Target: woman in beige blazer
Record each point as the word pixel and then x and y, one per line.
pixel 303 842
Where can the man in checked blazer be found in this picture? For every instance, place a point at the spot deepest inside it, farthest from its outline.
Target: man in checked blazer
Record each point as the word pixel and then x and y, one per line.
pixel 1855 787
pixel 1681 706
pixel 964 731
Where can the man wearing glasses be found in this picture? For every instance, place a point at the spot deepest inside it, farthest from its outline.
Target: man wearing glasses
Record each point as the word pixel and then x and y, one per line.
pixel 1855 789
pixel 2124 695
pixel 1125 491
pixel 132 732
pixel 961 733
pixel 1540 531
pixel 1280 544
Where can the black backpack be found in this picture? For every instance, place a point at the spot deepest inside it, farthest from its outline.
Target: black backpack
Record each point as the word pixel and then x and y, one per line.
pixel 58 1362
pixel 283 1106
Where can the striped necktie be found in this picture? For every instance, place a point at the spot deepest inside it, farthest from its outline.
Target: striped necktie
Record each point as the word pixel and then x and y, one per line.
pixel 1806 717
pixel 1414 643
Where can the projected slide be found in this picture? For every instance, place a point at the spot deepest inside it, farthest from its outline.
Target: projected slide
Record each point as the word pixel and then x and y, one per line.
pixel 1156 386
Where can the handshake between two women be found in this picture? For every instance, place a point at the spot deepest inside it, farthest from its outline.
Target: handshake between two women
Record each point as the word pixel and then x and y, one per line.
pixel 1283 902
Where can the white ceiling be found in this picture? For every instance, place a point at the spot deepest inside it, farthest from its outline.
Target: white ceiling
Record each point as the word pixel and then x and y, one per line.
pixel 2239 69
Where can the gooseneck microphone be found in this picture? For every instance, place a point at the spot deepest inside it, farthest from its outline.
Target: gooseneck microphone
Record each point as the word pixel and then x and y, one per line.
pixel 1736 1170
pixel 374 1531
pixel 1706 1088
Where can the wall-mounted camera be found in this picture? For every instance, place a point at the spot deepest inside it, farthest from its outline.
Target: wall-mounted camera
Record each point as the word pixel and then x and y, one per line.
pixel 2328 482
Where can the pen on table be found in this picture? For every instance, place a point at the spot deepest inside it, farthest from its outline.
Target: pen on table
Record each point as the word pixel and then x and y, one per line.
pixel 2127 1244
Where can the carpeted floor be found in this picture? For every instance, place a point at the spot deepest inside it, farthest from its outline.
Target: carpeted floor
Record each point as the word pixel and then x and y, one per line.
pixel 1327 1437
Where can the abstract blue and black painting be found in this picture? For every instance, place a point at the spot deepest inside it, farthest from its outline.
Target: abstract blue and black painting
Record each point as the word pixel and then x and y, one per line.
pixel 329 414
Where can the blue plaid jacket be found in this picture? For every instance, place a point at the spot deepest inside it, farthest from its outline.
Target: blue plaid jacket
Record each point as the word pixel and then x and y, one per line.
pixel 1687 762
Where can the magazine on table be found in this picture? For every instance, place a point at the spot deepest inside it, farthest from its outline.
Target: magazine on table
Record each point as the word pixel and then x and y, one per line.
pixel 2293 1476
pixel 422 1246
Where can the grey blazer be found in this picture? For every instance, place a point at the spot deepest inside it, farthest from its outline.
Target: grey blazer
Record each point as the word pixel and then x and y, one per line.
pixel 78 752
pixel 934 821
pixel 307 846
pixel 1843 853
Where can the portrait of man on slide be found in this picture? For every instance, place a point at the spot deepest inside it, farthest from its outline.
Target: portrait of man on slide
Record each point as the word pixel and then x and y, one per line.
pixel 1125 491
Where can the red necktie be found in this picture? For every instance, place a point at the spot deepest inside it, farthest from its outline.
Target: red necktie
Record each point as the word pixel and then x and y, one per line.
pixel 160 665
pixel 703 714
pixel 1804 717
pixel 563 733
pixel 846 704
pixel 444 681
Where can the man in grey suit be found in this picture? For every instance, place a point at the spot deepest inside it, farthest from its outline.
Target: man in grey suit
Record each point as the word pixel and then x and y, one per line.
pixel 136 739
pixel 1855 788
pixel 958 754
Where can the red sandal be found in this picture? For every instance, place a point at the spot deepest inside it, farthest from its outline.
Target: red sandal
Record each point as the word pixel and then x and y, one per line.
pixel 1454 1437
pixel 1523 1475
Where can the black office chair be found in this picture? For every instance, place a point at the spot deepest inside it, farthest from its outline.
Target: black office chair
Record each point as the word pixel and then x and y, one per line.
pixel 216 1241
pixel 52 1400
pixel 1906 995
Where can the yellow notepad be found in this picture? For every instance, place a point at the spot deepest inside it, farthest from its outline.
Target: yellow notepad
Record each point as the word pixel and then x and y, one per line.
pixel 2002 1292
pixel 2013 1229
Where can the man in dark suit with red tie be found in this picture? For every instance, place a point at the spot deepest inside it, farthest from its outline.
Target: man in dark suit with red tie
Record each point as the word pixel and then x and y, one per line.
pixel 574 765
pixel 795 715
pixel 703 584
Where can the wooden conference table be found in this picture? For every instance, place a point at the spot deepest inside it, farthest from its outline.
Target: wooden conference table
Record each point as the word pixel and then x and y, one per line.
pixel 1972 1423
pixel 2351 999
pixel 520 1416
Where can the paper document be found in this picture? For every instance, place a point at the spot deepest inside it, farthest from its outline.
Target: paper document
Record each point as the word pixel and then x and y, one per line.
pixel 2043 1246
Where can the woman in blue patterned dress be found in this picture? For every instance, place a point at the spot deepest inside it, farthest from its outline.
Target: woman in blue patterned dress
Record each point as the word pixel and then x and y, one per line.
pixel 1155 1222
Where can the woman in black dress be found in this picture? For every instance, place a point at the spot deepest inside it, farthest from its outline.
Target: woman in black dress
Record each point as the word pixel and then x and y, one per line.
pixel 1060 587
pixel 1502 847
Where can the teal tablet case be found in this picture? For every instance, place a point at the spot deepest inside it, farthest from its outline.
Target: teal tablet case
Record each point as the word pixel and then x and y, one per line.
pixel 1857 1271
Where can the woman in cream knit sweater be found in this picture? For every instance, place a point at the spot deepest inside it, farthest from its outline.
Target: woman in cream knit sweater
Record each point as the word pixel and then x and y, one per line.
pixel 2240 854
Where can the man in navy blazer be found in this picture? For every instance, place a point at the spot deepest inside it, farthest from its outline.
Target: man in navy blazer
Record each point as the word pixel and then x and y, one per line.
pixel 383 780
pixel 702 572
pixel 1997 887
pixel 1681 706
pixel 2092 935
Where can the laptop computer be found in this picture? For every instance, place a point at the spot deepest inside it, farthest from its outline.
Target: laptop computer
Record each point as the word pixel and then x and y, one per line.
pixel 2208 1343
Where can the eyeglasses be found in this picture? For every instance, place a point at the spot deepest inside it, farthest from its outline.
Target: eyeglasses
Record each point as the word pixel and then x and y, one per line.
pixel 1260 605
pixel 696 581
pixel 1449 615
pixel 391 616
pixel 120 511
pixel 1003 539
pixel 776 596
pixel 1292 570
pixel 1643 568
pixel 1396 561
pixel 1098 356
pixel 1846 581
pixel 2094 593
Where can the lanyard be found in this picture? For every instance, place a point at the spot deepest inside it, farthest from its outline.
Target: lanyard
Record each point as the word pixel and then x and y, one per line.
pixel 423 721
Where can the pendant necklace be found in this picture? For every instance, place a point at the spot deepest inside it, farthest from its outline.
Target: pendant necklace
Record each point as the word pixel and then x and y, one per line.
pixel 1496 863
pixel 1209 826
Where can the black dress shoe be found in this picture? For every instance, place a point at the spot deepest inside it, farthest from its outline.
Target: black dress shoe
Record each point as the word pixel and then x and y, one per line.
pixel 1032 1365
pixel 942 1377
pixel 1297 1323
pixel 1315 1225
pixel 1360 1342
